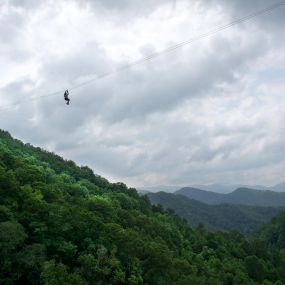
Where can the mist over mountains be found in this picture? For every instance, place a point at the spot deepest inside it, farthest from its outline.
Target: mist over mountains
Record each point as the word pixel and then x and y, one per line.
pixel 215 187
pixel 227 188
pixel 61 223
pixel 243 209
pixel 158 188
pixel 242 196
pixel 225 217
pixel 185 97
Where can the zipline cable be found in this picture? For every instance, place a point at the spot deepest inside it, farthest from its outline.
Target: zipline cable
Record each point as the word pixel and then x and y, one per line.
pixel 155 55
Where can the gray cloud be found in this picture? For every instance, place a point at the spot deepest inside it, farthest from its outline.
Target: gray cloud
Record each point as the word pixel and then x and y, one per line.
pixel 209 112
pixel 23 3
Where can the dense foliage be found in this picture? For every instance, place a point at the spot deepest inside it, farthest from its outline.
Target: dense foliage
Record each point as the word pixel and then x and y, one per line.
pixel 225 217
pixel 60 224
pixel 274 233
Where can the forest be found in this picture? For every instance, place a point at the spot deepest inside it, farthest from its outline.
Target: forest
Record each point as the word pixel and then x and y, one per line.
pixel 61 224
pixel 241 196
pixel 224 217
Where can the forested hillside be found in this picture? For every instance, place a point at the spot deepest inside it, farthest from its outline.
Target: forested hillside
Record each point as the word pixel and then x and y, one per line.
pixel 207 197
pixel 274 232
pixel 61 225
pixel 226 217
pixel 242 196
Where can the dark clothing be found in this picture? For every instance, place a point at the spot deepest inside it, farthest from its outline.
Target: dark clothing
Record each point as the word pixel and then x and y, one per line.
pixel 66 93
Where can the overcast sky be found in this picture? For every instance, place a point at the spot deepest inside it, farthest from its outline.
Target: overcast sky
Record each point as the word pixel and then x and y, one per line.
pixel 212 111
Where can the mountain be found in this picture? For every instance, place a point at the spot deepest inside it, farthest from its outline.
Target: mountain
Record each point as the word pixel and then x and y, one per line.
pixel 158 188
pixel 217 187
pixel 247 196
pixel 243 196
pixel 227 188
pixel 200 195
pixel 279 187
pixel 61 224
pixel 244 219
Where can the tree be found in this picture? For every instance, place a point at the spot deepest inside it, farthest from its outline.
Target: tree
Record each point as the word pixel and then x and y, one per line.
pixel 57 274
pixel 255 268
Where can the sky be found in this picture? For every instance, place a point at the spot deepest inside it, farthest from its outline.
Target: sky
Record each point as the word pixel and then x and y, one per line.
pixel 209 112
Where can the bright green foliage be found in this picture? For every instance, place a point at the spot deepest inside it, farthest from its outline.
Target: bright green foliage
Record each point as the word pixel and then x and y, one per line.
pixel 61 224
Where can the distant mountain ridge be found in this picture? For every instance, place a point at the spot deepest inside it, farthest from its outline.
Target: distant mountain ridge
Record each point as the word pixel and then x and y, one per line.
pixel 227 188
pixel 216 187
pixel 225 217
pixel 279 187
pixel 207 197
pixel 158 188
pixel 242 196
pixel 62 224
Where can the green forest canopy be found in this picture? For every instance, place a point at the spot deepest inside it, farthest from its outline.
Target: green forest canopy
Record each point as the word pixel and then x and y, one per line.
pixel 225 217
pixel 61 224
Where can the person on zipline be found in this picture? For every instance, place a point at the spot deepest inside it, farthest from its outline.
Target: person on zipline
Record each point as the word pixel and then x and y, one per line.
pixel 66 93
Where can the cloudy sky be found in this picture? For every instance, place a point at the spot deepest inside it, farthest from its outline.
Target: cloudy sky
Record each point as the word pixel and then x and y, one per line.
pixel 212 111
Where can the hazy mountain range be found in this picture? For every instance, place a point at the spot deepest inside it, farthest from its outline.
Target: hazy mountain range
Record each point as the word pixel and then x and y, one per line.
pixel 242 196
pixel 242 218
pixel 216 187
pixel 62 224
pixel 227 188
pixel 158 188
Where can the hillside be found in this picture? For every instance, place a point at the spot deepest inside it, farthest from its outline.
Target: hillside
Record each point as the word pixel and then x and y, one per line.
pixel 274 232
pixel 60 224
pixel 244 219
pixel 247 196
pixel 242 196
pixel 207 197
pixel 218 187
